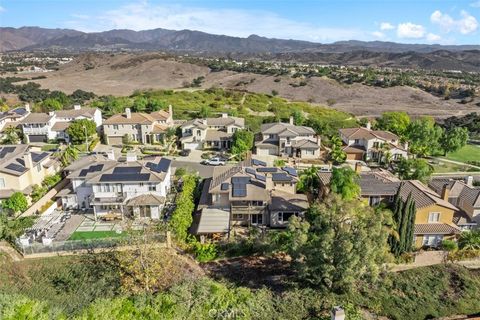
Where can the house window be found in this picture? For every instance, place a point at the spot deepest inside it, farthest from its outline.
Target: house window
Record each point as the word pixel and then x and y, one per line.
pixel 141 184
pixel 391 198
pixel 309 152
pixel 199 133
pixel 374 201
pixel 257 203
pixel 2 183
pixel 284 216
pixel 238 217
pixel 288 139
pixel 433 217
pixel 271 136
pixel 39 167
pixel 115 127
pixel 152 187
pixel 357 141
pixel 375 145
pixel 432 240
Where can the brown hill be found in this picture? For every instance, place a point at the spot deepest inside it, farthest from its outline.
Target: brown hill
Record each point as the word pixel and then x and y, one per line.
pixel 122 74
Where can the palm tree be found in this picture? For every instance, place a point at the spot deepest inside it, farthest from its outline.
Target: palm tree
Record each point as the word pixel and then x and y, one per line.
pixel 12 135
pixel 309 182
pixel 69 154
pixel 470 240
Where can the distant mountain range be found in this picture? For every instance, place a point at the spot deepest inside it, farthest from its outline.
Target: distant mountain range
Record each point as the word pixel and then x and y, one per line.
pixel 35 38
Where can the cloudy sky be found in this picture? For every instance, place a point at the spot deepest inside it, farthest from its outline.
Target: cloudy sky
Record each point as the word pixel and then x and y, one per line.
pixel 408 21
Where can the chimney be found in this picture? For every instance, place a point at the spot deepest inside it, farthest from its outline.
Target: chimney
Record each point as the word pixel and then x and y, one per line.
pixel 369 125
pixel 224 115
pixel 291 120
pixel 338 313
pixel 446 192
pixel 27 107
pixel 319 141
pixel 358 167
pixel 128 113
pixel 470 181
pixel 204 121
pixel 27 158
pixel 77 107
pixel 131 156
pixel 51 113
pixel 110 155
pixel 268 181
pixel 405 145
pixel 170 110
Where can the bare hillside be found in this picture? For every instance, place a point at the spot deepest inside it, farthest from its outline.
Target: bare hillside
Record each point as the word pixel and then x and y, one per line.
pixel 122 74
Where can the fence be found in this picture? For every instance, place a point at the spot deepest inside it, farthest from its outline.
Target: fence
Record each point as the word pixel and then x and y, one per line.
pixel 82 246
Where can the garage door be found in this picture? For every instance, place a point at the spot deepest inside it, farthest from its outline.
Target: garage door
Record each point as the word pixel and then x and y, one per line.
pixel 191 146
pixel 38 138
pixel 267 151
pixel 354 156
pixel 115 141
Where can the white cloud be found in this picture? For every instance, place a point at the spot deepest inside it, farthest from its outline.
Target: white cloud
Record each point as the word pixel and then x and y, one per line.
pixel 378 34
pixel 410 30
pixel 2 9
pixel 433 37
pixel 234 22
pixel 475 4
pixel 386 26
pixel 465 25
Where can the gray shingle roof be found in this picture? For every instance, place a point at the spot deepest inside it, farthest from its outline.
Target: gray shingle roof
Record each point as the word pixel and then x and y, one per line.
pixel 422 195
pixel 282 128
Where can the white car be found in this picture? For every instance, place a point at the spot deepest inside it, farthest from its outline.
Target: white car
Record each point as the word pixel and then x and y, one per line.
pixel 214 162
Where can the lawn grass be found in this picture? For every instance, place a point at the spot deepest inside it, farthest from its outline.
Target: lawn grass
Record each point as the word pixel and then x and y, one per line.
pixel 87 235
pixel 469 152
pixel 49 147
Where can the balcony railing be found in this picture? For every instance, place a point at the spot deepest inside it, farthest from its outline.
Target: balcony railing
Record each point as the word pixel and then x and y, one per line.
pixel 247 209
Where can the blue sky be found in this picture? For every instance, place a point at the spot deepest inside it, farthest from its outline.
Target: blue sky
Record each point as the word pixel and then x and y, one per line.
pixel 408 21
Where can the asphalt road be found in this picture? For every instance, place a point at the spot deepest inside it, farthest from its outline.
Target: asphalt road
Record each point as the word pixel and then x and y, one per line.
pixel 203 171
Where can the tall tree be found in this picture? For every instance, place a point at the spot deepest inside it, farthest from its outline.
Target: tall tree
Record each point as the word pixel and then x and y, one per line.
pixel 414 169
pixel 396 122
pixel 81 129
pixel 345 183
pixel 12 135
pixel 454 139
pixel 424 136
pixel 69 155
pixel 337 155
pixel 242 142
pixel 339 243
pixel 309 182
pixel 404 222
pixel 16 203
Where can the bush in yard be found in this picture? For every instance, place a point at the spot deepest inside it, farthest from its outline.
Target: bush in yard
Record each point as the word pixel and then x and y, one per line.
pixel 16 203
pixel 79 128
pixel 182 216
pixel 204 252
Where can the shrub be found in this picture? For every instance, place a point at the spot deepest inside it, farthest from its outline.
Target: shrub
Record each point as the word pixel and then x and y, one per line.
pixel 449 245
pixel 204 252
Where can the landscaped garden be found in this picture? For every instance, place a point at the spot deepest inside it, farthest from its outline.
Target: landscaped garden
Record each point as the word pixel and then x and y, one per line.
pixel 468 153
pixel 89 235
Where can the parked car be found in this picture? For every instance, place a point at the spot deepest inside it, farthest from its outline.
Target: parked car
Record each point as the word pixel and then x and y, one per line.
pixel 185 152
pixel 214 162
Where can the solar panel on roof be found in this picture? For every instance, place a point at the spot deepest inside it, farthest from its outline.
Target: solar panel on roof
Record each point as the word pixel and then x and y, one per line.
pixel 125 177
pixel 239 190
pixel 240 180
pixel 164 164
pixel 36 157
pixel 224 186
pixel 256 162
pixel 127 170
pixel 260 177
pixel 250 171
pixel 6 150
pixel 269 169
pixel 290 171
pixel 282 176
pixel 16 167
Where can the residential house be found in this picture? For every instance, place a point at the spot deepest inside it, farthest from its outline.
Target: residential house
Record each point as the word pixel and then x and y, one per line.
pixel 288 140
pixel 138 127
pixel 12 117
pixel 42 127
pixel 249 194
pixel 210 133
pixel 371 145
pixel 464 196
pixel 22 167
pixel 113 189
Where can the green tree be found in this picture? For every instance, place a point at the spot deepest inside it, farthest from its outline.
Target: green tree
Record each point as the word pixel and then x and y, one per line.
pixel 12 135
pixel 140 104
pixel 469 240
pixel 182 216
pixel 16 203
pixel 345 183
pixel 396 122
pixel 204 112
pixel 424 136
pixel 414 169
pixel 401 240
pixel 51 104
pixel 337 155
pixel 69 155
pixel 77 130
pixel 298 117
pixel 339 244
pixel 454 139
pixel 242 142
pixel 309 182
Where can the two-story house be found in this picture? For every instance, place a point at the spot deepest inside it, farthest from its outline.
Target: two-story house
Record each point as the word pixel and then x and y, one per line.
pixel 12 117
pixel 288 140
pixel 371 145
pixel 138 126
pixel 464 195
pixel 42 127
pixel 118 190
pixel 22 167
pixel 210 133
pixel 249 194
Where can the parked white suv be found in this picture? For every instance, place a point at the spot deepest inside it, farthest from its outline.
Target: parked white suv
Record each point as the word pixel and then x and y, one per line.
pixel 214 162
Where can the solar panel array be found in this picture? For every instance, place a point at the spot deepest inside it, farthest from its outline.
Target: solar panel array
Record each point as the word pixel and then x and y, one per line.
pixel 161 166
pixel 291 171
pixel 240 180
pixel 268 169
pixel 256 162
pixel 36 157
pixel 127 170
pixel 6 150
pixel 250 171
pixel 239 190
pixel 260 177
pixel 16 167
pixel 94 168
pixel 125 177
pixel 281 176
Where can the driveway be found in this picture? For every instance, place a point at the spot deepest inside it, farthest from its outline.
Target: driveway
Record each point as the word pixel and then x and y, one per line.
pixel 203 170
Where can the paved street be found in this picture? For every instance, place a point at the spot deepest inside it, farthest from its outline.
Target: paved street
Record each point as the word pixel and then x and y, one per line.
pixel 203 171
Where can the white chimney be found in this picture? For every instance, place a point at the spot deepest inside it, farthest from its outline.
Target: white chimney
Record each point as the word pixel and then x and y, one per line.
pixel 131 156
pixel 338 313
pixel 128 113
pixel 110 155
pixel 470 181
pixel 319 141
pixel 27 158
pixel 204 121
pixel 51 113
pixel 369 125
pixel 170 110
pixel 77 107
pixel 268 181
pixel 291 120
pixel 405 145
pixel 27 107
pixel 224 115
